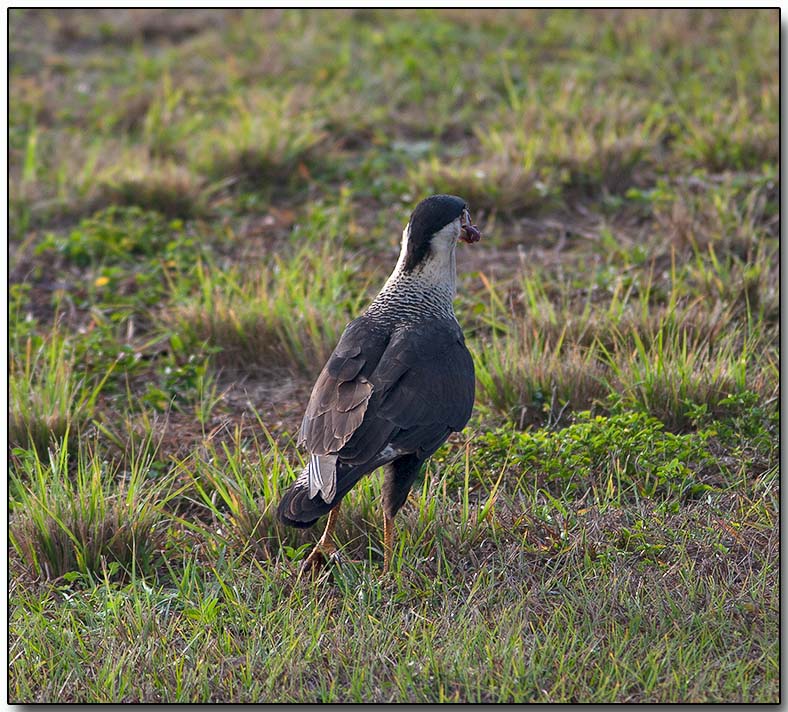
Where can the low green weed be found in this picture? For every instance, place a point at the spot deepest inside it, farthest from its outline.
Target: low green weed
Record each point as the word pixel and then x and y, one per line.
pixel 119 235
pixel 617 457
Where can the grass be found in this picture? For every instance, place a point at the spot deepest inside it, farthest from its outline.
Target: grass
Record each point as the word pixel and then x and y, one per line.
pixel 269 137
pixel 47 397
pixel 271 319
pixel 662 352
pixel 199 202
pixel 74 515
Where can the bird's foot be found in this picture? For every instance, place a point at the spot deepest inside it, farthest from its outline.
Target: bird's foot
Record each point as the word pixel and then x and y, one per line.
pixel 322 555
pixel 318 558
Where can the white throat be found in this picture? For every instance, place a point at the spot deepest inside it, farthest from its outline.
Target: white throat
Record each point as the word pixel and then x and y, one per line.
pixel 438 269
pixel 429 288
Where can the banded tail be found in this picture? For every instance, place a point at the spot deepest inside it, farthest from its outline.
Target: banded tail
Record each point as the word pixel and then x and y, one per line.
pixel 298 509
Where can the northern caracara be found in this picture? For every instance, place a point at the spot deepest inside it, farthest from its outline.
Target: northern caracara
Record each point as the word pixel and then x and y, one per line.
pixel 398 382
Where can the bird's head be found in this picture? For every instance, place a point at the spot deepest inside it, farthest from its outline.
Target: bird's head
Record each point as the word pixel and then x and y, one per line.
pixel 434 228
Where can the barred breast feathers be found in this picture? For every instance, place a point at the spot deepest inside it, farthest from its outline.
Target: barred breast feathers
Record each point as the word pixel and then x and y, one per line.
pixel 426 292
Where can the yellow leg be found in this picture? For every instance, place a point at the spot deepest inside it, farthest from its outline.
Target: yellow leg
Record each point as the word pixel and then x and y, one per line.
pixel 325 547
pixel 388 541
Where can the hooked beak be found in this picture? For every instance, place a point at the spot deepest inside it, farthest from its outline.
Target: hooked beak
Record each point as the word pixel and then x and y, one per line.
pixel 468 231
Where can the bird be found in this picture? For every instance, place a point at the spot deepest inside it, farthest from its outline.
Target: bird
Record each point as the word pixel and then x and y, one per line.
pixel 398 383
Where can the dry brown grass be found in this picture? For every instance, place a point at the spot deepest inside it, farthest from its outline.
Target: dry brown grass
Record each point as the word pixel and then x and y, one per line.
pixel 164 186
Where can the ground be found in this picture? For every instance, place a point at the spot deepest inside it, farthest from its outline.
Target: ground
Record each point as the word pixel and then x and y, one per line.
pixel 200 200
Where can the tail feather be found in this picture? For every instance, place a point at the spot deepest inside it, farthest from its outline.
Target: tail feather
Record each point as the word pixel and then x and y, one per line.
pixel 297 509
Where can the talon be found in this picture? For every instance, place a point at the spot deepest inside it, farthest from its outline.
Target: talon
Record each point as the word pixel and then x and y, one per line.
pixel 313 562
pixel 324 548
pixel 318 558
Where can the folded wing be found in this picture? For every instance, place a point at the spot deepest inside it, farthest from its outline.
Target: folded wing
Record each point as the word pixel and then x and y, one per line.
pixel 383 394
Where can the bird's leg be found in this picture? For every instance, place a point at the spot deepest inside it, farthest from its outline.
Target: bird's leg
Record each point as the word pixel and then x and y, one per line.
pixel 397 481
pixel 388 541
pixel 325 547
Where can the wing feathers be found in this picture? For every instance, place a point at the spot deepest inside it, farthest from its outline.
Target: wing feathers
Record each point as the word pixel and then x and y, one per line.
pixel 352 394
pixel 408 388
